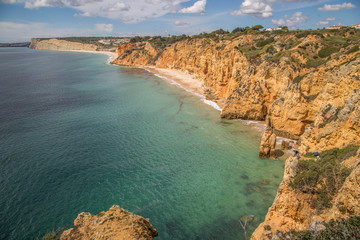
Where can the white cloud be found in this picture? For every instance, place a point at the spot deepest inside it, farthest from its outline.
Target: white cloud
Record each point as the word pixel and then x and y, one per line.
pixel 181 23
pixel 264 8
pixel 119 6
pixel 22 32
pixel 44 3
pixel 129 11
pixel 337 7
pixel 325 22
pixel 198 7
pixel 293 21
pixel 256 8
pixel 105 28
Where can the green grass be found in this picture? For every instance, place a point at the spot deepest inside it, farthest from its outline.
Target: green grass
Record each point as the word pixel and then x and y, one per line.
pixel 302 34
pixel 353 49
pixel 298 79
pixel 264 42
pixel 325 52
pixel 314 63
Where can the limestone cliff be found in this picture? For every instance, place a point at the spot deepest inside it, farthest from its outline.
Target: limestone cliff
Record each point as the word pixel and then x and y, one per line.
pixel 305 85
pixel 116 224
pixel 60 45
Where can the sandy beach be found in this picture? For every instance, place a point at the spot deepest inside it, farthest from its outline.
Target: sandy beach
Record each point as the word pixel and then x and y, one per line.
pixel 189 82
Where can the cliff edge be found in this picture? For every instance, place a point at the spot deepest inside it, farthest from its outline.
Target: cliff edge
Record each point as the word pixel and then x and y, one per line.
pixel 116 224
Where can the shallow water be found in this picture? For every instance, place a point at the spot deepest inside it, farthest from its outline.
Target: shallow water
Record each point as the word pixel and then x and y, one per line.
pixel 77 134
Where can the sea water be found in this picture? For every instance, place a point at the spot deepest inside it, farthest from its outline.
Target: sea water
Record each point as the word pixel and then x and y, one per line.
pixel 79 135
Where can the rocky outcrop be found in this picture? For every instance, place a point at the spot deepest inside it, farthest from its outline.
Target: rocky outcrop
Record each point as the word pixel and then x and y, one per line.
pixel 60 45
pixel 268 144
pixel 116 224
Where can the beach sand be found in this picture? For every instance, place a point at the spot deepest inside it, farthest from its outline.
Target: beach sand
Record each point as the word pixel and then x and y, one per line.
pixel 189 82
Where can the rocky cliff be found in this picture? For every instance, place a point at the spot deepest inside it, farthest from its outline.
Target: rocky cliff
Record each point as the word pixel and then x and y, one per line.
pixel 116 224
pixel 305 85
pixel 60 45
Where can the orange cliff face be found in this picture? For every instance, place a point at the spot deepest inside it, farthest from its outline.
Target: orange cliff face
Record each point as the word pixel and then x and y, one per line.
pixel 305 86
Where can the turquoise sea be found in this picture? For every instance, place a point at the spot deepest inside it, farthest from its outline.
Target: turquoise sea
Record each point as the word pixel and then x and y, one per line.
pixel 79 135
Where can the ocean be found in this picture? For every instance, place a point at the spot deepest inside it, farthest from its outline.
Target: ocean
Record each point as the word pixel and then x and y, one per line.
pixel 79 135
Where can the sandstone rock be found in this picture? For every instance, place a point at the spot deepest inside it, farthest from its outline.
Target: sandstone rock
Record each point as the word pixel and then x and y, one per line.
pixel 285 145
pixel 335 126
pixel 268 143
pixel 116 224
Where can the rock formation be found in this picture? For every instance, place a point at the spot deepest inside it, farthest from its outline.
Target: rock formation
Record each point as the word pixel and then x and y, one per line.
pixel 268 144
pixel 60 45
pixel 116 224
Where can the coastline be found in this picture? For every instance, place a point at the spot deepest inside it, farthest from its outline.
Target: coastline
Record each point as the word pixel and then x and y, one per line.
pixel 188 82
pixel 112 55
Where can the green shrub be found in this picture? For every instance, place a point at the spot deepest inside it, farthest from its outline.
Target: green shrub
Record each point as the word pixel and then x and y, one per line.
pixel 353 49
pixel 271 49
pixel 323 177
pixel 325 52
pixel 314 63
pixel 341 229
pixel 264 42
pixel 298 79
pixel 301 34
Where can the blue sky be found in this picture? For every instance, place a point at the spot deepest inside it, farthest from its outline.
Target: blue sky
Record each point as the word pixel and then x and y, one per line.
pixel 22 19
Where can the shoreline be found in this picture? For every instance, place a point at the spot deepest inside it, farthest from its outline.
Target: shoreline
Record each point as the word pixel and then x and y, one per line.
pixel 188 82
pixel 112 55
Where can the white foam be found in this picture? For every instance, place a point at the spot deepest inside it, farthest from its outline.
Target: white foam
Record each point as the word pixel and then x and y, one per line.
pixel 284 139
pixel 213 104
pixel 208 102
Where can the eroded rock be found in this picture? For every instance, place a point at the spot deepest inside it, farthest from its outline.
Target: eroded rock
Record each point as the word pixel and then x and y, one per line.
pixel 115 224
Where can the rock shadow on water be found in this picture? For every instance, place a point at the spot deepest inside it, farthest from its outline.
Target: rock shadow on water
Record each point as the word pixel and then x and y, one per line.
pixel 257 187
pixel 244 176
pixel 225 122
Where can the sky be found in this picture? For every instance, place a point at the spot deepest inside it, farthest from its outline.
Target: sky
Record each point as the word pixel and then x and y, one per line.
pixel 21 20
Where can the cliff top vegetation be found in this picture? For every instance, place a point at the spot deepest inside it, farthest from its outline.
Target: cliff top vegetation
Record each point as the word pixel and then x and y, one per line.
pixel 304 48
